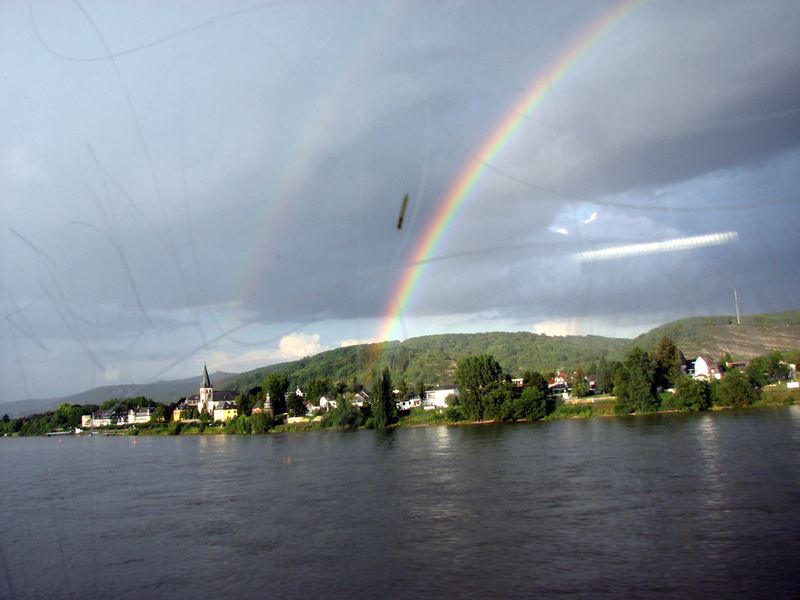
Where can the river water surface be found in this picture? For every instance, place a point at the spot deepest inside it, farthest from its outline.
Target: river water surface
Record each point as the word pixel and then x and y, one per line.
pixel 664 506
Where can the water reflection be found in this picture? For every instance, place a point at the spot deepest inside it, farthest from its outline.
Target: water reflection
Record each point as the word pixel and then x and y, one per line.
pixel 576 509
pixel 708 438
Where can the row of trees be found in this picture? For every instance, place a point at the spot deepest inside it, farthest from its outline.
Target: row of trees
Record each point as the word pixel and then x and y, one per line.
pixel 488 394
pixel 66 416
pixel 641 378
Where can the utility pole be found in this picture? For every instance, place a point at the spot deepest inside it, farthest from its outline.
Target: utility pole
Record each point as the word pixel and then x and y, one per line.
pixel 736 301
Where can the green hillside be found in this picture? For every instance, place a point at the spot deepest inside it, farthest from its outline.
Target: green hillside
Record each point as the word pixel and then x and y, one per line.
pixel 755 336
pixel 432 359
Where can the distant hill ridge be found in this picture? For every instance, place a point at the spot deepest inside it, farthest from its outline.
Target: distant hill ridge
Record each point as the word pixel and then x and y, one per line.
pixel 755 336
pixel 432 359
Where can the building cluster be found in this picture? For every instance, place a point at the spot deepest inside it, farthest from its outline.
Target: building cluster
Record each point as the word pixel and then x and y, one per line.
pixel 220 405
pixel 106 418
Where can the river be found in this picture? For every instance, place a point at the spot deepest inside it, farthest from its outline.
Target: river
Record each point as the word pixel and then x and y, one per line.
pixel 664 506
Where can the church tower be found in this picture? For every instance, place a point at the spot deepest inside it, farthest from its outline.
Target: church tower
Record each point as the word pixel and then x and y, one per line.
pixel 206 394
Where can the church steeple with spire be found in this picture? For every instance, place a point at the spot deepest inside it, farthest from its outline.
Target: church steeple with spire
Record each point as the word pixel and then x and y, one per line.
pixel 206 393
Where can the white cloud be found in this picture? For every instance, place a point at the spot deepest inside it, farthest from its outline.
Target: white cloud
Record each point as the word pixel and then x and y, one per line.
pixel 561 231
pixel 592 217
pixel 238 362
pixel 558 327
pixel 298 345
pixel 611 326
pixel 357 341
pixel 291 347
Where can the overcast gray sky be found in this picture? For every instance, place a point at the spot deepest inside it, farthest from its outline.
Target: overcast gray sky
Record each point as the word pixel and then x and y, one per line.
pixel 185 182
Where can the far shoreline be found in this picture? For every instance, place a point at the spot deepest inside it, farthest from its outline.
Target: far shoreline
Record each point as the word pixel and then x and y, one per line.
pixel 589 414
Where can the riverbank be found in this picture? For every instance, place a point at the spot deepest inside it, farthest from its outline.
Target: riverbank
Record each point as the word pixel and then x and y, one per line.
pixel 601 407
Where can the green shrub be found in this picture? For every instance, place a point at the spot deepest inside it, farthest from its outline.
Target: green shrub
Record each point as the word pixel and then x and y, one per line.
pixel 454 413
pixel 566 411
pixel 735 389
pixel 692 394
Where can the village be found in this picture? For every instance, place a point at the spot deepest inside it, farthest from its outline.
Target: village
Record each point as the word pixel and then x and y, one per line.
pixel 221 406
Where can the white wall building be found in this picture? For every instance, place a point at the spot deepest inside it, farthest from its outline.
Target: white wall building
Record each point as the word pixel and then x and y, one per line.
pixel 327 402
pixel 409 404
pixel 143 415
pixel 706 368
pixel 437 397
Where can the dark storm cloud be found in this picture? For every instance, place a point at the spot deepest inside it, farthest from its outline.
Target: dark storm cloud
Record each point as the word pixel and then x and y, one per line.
pixel 254 165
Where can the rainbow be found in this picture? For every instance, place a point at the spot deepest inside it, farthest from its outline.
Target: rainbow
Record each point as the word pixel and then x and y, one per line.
pixel 442 219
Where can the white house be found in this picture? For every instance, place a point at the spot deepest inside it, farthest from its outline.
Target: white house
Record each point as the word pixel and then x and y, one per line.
pixel 361 399
pixel 143 415
pixel 706 367
pixel 409 404
pixel 437 397
pixel 327 401
pixel 104 418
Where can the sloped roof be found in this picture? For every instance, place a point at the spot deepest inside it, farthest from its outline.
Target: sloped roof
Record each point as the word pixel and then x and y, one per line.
pixel 206 383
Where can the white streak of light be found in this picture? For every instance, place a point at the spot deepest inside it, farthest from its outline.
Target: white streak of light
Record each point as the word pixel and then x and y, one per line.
pixel 687 243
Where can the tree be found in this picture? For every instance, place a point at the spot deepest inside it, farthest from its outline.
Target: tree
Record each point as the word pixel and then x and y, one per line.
pixel 692 394
pixel 243 424
pixel 535 380
pixel 382 402
pixel 667 361
pixel 777 368
pixel 533 404
pixel 581 389
pixel 245 403
pixel 634 384
pixel 735 389
pixel 67 415
pixel 277 384
pixel 355 386
pixel 726 359
pixel 498 401
pixel 296 405
pixel 421 391
pixel 604 378
pixel 259 423
pixel 474 374
pixel 159 414
pixel 402 389
pixel 316 389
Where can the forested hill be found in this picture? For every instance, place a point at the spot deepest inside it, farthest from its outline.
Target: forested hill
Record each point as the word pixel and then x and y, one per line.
pixel 432 359
pixel 755 336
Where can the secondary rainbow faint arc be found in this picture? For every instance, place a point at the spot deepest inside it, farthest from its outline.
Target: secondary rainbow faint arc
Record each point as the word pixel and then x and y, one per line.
pixel 307 142
pixel 448 208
